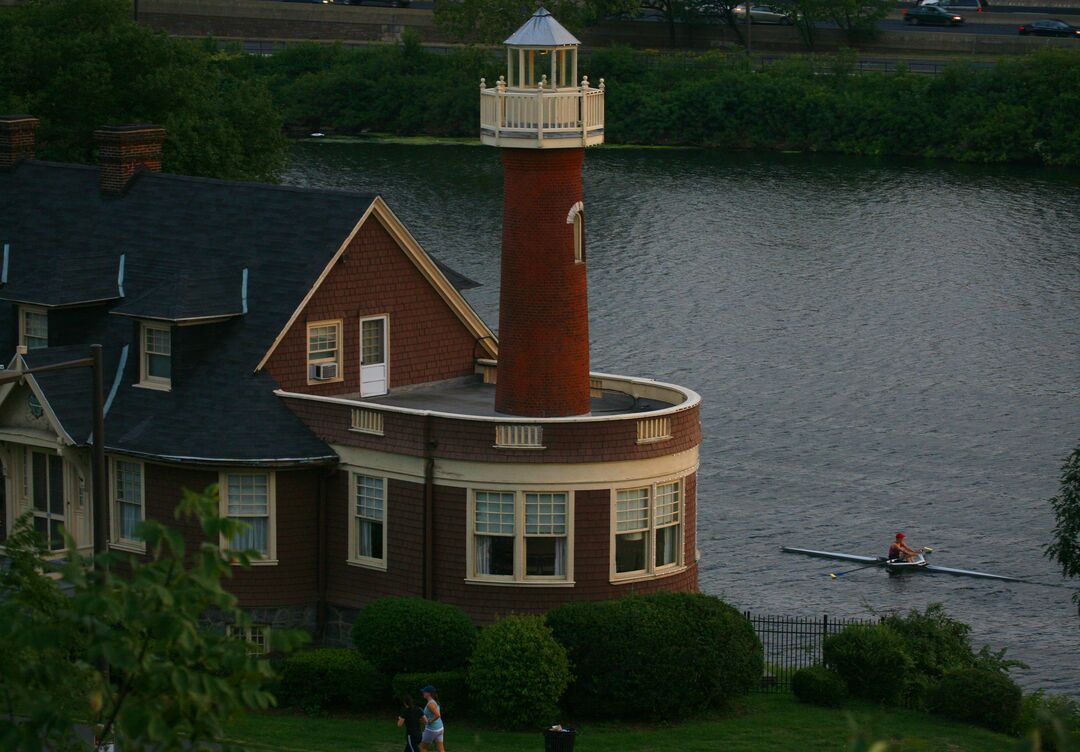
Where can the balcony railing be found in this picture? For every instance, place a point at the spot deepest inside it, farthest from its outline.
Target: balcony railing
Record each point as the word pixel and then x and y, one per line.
pixel 564 117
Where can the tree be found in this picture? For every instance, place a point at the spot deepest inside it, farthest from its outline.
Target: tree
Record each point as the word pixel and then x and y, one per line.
pixel 859 19
pixel 125 654
pixel 81 64
pixel 1065 547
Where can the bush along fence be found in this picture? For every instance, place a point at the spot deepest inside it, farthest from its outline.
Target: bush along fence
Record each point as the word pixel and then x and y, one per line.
pixel 791 643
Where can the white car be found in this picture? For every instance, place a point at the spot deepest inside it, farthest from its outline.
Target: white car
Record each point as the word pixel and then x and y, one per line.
pixel 764 14
pixel 971 6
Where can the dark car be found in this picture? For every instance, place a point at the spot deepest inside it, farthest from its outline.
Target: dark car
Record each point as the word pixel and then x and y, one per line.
pixel 931 14
pixel 1050 27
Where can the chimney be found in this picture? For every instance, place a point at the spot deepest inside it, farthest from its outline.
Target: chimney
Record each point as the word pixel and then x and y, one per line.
pixel 16 139
pixel 123 150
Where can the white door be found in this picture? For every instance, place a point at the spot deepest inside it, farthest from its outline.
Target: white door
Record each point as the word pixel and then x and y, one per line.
pixel 373 356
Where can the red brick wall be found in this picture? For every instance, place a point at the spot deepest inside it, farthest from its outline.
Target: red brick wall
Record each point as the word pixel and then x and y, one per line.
pixel 292 580
pixel 428 342
pixel 354 587
pixel 592 441
pixel 543 300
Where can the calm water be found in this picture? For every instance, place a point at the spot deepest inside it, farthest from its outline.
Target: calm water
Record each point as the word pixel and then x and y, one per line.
pixel 880 346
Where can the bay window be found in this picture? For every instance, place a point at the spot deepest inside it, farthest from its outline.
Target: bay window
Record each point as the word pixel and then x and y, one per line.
pixel 249 498
pixel 521 536
pixel 647 530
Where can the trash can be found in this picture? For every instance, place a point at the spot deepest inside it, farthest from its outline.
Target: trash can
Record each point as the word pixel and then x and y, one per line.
pixel 559 739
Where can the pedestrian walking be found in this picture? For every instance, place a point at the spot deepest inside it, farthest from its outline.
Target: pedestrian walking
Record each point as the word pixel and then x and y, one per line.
pixel 409 718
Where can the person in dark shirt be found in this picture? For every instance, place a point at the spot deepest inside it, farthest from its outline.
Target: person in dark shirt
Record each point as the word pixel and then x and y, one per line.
pixel 409 718
pixel 901 551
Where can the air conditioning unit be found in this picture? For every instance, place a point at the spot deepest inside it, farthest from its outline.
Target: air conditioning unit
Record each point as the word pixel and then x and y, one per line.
pixel 323 371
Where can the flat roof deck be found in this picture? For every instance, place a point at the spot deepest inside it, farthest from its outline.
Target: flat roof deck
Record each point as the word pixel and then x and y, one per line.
pixel 471 396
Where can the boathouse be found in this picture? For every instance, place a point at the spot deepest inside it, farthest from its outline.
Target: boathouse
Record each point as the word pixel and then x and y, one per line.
pixel 300 350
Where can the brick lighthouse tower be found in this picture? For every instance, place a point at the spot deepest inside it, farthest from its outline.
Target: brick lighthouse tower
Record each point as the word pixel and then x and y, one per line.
pixel 542 117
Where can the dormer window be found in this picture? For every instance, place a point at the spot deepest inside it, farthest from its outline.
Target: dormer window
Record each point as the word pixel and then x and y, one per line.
pixel 156 363
pixel 324 351
pixel 33 327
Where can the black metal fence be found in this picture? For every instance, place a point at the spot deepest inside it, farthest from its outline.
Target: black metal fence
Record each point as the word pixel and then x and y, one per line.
pixel 791 643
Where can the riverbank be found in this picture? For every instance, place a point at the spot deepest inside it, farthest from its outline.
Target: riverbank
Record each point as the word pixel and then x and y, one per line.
pixel 761 723
pixel 1015 111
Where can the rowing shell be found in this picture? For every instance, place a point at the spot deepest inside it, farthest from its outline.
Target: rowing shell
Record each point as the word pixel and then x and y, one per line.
pixel 876 559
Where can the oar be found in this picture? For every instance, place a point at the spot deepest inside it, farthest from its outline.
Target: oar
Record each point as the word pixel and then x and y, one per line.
pixel 834 575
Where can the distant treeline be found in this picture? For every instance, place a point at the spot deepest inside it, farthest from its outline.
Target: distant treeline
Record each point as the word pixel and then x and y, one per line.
pixel 1021 109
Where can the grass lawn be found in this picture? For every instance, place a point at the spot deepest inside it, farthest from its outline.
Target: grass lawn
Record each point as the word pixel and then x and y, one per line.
pixel 766 722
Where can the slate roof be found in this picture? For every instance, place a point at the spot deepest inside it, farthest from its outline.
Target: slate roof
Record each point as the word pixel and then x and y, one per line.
pixel 185 242
pixel 541 30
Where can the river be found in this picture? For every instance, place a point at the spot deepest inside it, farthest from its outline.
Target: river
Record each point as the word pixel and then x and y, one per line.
pixel 880 345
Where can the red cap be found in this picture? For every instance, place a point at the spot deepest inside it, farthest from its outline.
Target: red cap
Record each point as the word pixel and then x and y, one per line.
pixel 899 536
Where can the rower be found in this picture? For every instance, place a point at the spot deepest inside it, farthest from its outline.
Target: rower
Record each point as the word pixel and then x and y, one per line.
pixel 901 551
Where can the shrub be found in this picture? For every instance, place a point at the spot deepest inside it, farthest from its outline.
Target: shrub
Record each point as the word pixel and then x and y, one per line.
pixel 319 680
pixel 452 687
pixel 871 659
pixel 818 685
pixel 407 635
pixel 1054 718
pixel 975 695
pixel 668 655
pixel 518 673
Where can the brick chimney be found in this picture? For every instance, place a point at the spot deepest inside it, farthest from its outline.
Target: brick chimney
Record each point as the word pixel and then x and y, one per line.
pixel 16 139
pixel 123 150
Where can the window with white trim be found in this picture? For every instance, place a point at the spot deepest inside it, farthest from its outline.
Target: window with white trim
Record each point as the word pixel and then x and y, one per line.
pixel 324 351
pixel 366 421
pixel 248 497
pixel 521 536
pixel 519 436
pixel 650 430
pixel 369 520
pixel 257 636
pixel 33 327
pixel 647 530
pixel 128 503
pixel 44 475
pixel 156 363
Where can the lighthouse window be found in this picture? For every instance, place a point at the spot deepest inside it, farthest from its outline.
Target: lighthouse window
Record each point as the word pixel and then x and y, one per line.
pixel 579 237
pixel 631 530
pixel 521 536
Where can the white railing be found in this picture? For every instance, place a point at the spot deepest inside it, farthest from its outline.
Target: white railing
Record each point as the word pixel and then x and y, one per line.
pixel 542 112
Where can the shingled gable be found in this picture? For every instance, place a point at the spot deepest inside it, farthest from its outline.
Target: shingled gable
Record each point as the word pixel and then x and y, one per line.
pixel 168 228
pixel 432 271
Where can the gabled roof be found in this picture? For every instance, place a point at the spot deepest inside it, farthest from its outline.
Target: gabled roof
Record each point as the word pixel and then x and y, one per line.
pixel 186 242
pixel 541 30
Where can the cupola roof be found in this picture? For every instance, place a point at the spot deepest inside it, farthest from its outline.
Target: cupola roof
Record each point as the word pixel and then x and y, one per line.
pixel 541 30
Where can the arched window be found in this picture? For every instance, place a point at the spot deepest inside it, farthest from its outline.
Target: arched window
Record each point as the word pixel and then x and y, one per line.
pixel 576 217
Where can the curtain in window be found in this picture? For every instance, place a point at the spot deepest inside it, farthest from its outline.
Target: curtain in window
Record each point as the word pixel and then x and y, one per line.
pixel 367 536
pixel 483 554
pixel 130 517
pixel 255 537
pixel 249 502
pixel 560 557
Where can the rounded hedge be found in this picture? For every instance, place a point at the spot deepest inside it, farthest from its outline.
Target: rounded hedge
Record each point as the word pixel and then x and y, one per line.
pixel 331 678
pixel 518 673
pixel 974 695
pixel 409 635
pixel 451 685
pixel 818 685
pixel 662 656
pixel 872 660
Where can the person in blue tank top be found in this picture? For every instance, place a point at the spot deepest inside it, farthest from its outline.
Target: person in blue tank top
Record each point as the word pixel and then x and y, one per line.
pixel 432 718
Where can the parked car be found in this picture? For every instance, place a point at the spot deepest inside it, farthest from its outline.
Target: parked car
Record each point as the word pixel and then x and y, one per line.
pixel 764 14
pixel 968 6
pixel 1050 27
pixel 931 14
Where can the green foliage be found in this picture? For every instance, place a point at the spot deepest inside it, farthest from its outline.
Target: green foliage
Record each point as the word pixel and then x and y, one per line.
pixel 973 695
pixel 872 661
pixel 452 687
pixel 170 683
pixel 518 673
pixel 331 678
pixel 407 635
pixel 1065 547
pixel 818 685
pixel 492 21
pixel 1052 721
pixel 1017 110
pixel 663 656
pixel 81 64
